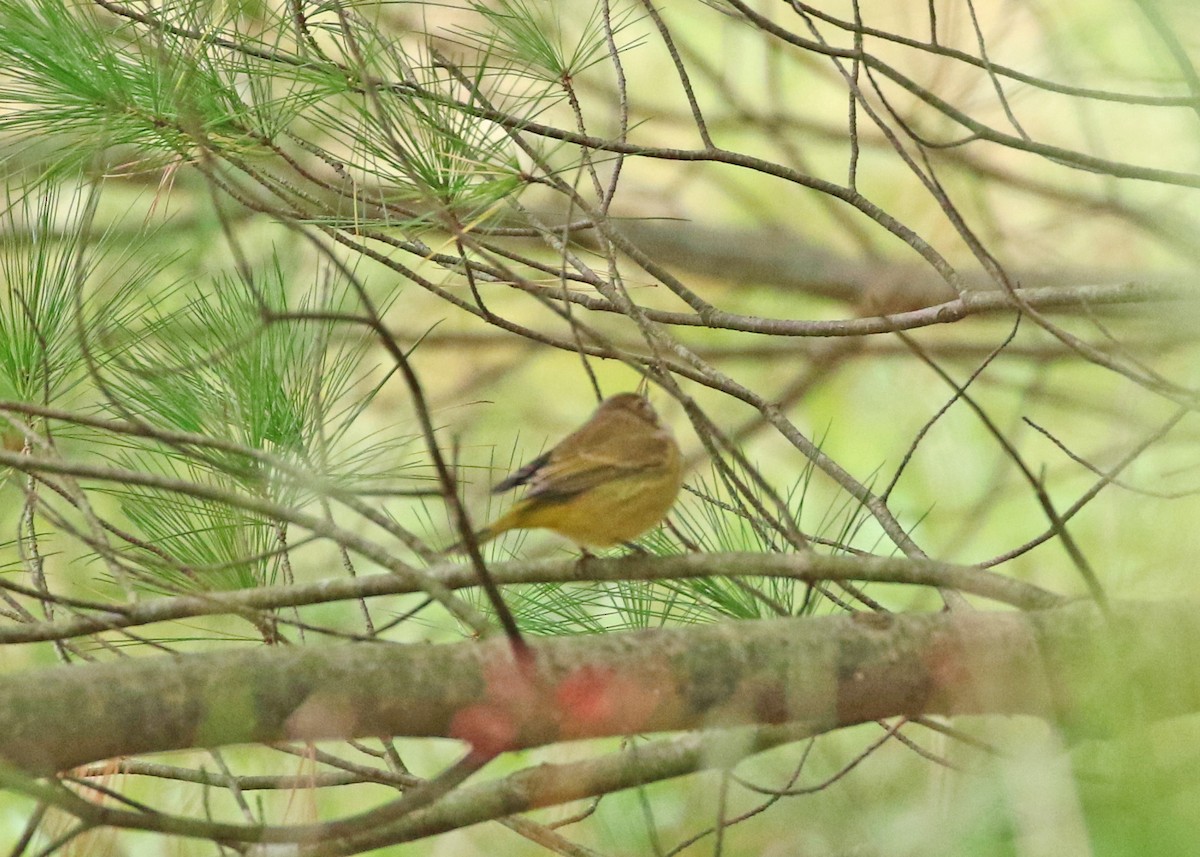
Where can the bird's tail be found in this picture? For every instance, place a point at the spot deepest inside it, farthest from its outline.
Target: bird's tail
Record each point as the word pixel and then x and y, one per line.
pixel 512 519
pixel 482 536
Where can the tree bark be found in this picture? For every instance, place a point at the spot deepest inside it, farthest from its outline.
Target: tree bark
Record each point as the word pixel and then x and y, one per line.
pixel 1070 664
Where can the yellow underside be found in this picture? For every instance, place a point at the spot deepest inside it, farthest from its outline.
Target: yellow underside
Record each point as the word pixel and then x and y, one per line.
pixel 615 512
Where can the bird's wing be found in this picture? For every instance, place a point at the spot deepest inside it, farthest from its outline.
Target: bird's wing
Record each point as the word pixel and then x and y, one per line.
pixel 523 475
pixel 597 452
pixel 574 470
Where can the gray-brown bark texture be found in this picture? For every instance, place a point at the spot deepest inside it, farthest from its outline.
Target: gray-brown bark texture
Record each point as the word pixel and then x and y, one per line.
pixel 1071 664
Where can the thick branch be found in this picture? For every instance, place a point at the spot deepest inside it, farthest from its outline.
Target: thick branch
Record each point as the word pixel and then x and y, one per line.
pixel 1061 663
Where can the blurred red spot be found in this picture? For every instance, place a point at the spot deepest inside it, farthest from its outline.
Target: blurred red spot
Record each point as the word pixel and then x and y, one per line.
pixel 602 701
pixel 487 728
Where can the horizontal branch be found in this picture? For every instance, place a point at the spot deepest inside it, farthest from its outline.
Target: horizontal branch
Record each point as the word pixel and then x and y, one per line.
pixel 832 671
pixel 927 312
pixel 809 568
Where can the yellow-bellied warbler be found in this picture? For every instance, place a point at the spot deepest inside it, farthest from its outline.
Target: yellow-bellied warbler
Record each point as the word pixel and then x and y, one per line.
pixel 609 481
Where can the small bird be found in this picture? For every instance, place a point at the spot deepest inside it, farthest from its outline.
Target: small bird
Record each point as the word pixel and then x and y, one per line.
pixel 611 480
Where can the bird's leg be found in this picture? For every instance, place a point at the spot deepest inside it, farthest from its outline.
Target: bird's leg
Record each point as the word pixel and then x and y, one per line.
pixel 581 564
